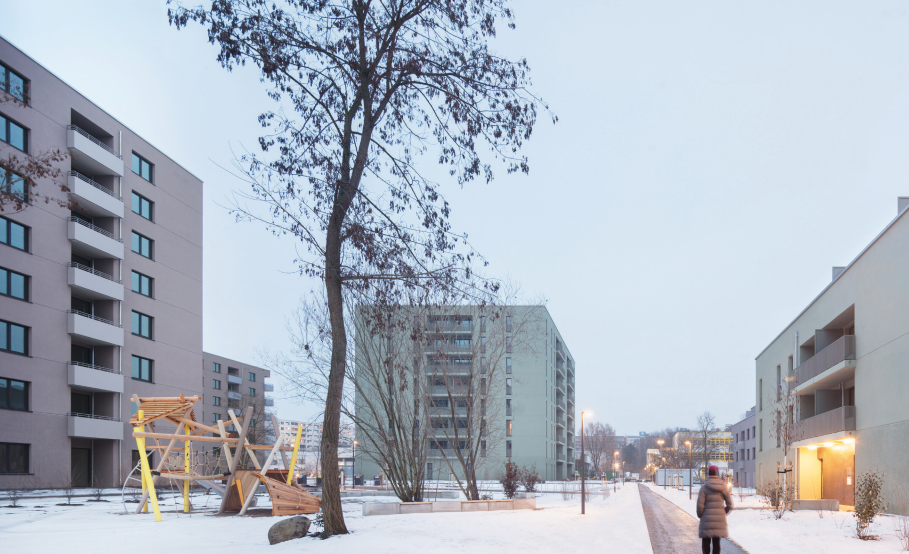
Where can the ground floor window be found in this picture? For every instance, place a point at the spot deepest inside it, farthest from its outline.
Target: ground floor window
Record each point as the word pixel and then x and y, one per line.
pixel 13 457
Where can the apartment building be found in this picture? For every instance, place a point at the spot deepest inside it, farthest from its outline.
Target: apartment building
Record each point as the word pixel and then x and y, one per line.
pixel 844 359
pixel 744 441
pixel 715 449
pixel 232 385
pixel 311 437
pixel 75 343
pixel 528 403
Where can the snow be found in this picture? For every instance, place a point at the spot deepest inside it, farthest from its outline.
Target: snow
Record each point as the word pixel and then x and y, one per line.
pixel 756 530
pixel 100 528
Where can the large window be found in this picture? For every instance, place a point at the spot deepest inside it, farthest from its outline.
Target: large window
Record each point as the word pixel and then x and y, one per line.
pixel 142 284
pixel 13 338
pixel 142 369
pixel 13 134
pixel 13 83
pixel 142 168
pixel 216 367
pixel 13 395
pixel 215 400
pixel 13 185
pixel 142 325
pixel 252 376
pixel 252 391
pixel 13 234
pixel 13 284
pixel 13 457
pixel 142 206
pixel 216 384
pixel 142 245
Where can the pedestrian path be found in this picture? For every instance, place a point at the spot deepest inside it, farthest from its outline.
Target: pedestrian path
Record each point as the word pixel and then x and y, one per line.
pixel 672 530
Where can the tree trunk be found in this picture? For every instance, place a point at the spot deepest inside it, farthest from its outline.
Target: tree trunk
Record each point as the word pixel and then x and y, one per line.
pixel 332 513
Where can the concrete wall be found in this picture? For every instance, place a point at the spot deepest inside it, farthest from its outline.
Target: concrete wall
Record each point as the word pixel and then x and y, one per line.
pixel 873 289
pixel 401 508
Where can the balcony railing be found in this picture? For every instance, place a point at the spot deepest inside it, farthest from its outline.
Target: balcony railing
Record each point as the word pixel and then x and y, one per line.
pixel 445 411
pixel 834 421
pixel 560 421
pixel 93 416
pixel 839 350
pixel 95 228
pixel 234 395
pixel 93 139
pixel 96 367
pixel 96 318
pixel 560 457
pixel 98 186
pixel 561 404
pixel 269 401
pixel 81 267
pixel 235 379
pixel 269 387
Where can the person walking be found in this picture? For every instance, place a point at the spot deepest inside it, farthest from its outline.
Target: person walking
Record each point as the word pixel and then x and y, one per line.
pixel 714 502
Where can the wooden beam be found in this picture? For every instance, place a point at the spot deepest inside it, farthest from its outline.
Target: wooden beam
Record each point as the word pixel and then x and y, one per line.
pixel 249 451
pixel 274 424
pixel 236 462
pixel 191 477
pixel 262 473
pixel 199 425
pixel 184 438
pixel 173 399
pixel 225 448
pixel 161 463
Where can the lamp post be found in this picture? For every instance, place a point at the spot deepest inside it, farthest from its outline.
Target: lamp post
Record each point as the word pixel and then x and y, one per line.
pixel 660 444
pixel 688 443
pixel 583 464
pixel 354 464
pixel 615 470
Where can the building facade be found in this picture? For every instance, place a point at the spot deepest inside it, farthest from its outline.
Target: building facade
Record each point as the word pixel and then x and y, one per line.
pixel 744 449
pixel 694 450
pixel 841 366
pixel 537 396
pixel 100 288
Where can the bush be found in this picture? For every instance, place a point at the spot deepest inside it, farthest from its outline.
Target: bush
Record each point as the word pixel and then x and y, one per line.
pixel 869 502
pixel 529 477
pixel 511 479
pixel 777 496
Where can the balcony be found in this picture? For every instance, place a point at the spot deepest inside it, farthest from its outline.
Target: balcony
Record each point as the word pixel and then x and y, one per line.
pixel 560 456
pixel 560 422
pixel 92 329
pixel 560 384
pixel 269 401
pixel 92 197
pixel 269 387
pixel 441 390
pixel 560 438
pixel 94 378
pixel 235 379
pixel 838 420
pixel 92 240
pixel 91 283
pixel 445 411
pixel 93 426
pixel 833 365
pixel 92 154
pixel 231 395
pixel 560 404
pixel 571 383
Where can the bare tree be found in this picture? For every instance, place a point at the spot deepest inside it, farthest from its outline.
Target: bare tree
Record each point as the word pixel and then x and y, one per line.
pixel 599 440
pixel 20 170
pixel 705 442
pixel 787 430
pixel 68 480
pixel 374 86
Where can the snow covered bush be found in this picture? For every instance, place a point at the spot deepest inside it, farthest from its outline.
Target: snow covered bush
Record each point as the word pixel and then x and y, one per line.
pixel 777 496
pixel 511 480
pixel 529 477
pixel 869 502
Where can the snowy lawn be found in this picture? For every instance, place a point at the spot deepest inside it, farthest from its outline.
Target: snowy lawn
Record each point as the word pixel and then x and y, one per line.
pixel 616 523
pixel 757 531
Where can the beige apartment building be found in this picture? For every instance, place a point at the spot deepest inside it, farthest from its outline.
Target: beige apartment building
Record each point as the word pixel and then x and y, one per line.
pixel 99 300
pixel 845 357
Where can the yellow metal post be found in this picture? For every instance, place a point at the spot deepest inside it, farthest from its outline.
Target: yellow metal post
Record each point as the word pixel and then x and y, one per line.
pixel 142 475
pixel 293 459
pixel 186 470
pixel 146 470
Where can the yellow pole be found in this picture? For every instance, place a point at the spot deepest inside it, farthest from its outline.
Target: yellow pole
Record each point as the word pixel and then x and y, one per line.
pixel 142 475
pixel 146 470
pixel 293 459
pixel 186 470
pixel 240 492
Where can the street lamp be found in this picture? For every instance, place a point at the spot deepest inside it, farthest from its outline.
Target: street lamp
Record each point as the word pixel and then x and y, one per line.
pixel 583 464
pixel 615 467
pixel 354 464
pixel 660 443
pixel 688 443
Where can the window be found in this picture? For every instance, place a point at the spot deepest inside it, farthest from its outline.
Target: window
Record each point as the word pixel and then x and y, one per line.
pixel 215 418
pixel 482 323
pixel 508 345
pixel 252 376
pixel 215 400
pixel 142 284
pixel 482 345
pixel 508 449
pixel 760 394
pixel 142 325
pixel 482 449
pixel 252 391
pixel 761 436
pixel 13 284
pixel 13 134
pixel 483 365
pixel 14 185
pixel 142 168
pixel 13 234
pixel 13 83
pixel 142 206
pixel 508 365
pixel 508 427
pixel 13 395
pixel 142 369
pixel 779 384
pixel 508 406
pixel 142 245
pixel 216 367
pixel 508 324
pixel 216 384
pixel 508 385
pixel 13 338
pixel 13 457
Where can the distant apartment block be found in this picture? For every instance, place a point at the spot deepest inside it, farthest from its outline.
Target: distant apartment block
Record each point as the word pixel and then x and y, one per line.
pixel 715 449
pixel 311 436
pixel 98 302
pixel 744 450
pixel 844 357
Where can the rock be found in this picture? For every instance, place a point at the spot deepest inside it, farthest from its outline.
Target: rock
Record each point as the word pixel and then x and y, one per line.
pixel 288 529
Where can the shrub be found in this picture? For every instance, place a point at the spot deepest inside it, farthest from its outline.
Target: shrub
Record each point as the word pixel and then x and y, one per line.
pixel 511 479
pixel 529 477
pixel 777 496
pixel 869 502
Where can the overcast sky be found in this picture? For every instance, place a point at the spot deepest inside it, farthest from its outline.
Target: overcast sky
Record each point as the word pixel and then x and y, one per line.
pixel 712 162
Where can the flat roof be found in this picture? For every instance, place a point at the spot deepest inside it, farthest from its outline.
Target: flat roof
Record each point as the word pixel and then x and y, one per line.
pixel 870 244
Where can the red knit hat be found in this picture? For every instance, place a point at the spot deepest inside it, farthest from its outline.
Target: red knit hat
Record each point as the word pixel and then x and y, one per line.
pixel 713 470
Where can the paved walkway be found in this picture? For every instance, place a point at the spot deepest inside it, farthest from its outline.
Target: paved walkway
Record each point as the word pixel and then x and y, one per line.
pixel 672 530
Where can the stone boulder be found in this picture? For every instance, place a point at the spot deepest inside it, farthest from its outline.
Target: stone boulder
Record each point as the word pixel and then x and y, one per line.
pixel 288 529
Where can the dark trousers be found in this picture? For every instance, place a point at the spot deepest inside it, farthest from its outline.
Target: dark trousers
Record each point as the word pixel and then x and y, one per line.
pixel 705 545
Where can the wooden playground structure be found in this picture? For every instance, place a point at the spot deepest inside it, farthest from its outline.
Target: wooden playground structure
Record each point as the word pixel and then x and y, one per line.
pixel 236 486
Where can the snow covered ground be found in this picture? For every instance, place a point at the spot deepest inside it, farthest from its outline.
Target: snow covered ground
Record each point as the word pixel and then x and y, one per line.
pixel 757 531
pixel 616 522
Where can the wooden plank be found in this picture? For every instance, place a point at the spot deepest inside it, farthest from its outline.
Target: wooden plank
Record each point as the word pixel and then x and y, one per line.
pixel 170 399
pixel 236 462
pixel 274 425
pixel 268 460
pixel 184 438
pixel 252 454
